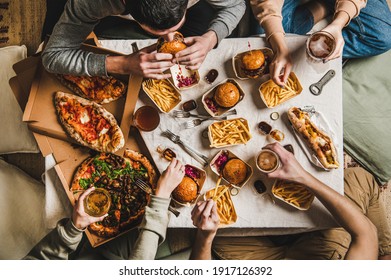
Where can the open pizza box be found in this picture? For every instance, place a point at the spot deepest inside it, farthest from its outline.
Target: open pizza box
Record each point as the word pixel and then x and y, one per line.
pixel 34 88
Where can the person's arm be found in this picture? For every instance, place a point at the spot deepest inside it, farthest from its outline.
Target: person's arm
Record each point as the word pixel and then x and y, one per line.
pixel 345 11
pixel 64 239
pixel 268 14
pixel 228 15
pixel 206 219
pixel 62 54
pixel 364 244
pixel 154 225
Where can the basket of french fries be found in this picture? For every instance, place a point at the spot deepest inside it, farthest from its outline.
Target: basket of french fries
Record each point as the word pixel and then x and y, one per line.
pixel 225 206
pixel 228 133
pixel 162 93
pixel 293 193
pixel 273 95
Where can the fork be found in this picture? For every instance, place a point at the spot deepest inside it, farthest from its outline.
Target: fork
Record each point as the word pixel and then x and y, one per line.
pixel 183 114
pixel 197 122
pixel 196 155
pixel 146 188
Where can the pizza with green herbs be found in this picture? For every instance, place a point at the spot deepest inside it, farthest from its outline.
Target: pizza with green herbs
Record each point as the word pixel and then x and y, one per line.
pixel 117 175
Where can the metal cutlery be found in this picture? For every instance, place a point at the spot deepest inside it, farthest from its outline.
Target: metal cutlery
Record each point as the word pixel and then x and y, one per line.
pixel 183 114
pixel 146 188
pixel 196 155
pixel 197 122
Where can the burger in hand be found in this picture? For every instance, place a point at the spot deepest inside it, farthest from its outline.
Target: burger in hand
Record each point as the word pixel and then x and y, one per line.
pixel 187 191
pixel 226 95
pixel 253 63
pixel 172 47
pixel 235 171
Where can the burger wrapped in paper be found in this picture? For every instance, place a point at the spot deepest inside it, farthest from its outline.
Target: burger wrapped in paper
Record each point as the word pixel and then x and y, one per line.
pixel 235 171
pixel 227 95
pixel 253 63
pixel 187 191
pixel 172 47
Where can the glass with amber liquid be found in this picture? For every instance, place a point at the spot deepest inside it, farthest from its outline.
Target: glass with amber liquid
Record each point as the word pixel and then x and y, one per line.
pixel 97 203
pixel 146 118
pixel 267 161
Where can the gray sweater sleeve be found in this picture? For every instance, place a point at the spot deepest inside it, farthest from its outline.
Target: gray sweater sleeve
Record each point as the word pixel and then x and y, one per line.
pixel 152 229
pixel 58 244
pixel 62 54
pixel 229 13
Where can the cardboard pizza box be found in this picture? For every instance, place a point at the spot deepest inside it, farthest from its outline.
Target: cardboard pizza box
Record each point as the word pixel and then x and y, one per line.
pixel 69 155
pixel 40 112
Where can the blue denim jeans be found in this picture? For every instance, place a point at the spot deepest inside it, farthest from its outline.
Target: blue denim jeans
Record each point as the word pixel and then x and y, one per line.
pixel 367 35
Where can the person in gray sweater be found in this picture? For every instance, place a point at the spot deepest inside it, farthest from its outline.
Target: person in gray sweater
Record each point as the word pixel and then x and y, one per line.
pixel 138 244
pixel 159 18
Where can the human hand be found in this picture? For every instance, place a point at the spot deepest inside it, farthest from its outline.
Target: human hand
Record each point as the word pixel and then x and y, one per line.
pixel 205 218
pixel 170 179
pixel 336 31
pixel 80 218
pixel 198 48
pixel 281 67
pixel 290 168
pixel 146 63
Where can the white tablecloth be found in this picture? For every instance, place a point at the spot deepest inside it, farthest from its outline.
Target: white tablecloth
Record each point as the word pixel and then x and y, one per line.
pixel 255 211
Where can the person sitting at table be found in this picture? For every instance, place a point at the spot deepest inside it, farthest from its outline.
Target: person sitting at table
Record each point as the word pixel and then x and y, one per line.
pixel 63 241
pixel 364 232
pixel 361 28
pixel 157 18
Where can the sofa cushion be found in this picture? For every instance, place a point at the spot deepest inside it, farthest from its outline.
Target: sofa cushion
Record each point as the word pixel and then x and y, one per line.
pixel 367 113
pixel 22 222
pixel 15 136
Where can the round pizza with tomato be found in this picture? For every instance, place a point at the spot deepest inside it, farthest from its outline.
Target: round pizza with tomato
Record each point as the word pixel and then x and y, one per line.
pixel 117 175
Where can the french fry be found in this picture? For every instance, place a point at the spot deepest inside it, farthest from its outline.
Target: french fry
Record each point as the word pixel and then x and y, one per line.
pixel 274 95
pixel 224 203
pixel 293 193
pixel 162 93
pixel 229 132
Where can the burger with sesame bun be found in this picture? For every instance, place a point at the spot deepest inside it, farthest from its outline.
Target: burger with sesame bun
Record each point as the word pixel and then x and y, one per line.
pixel 253 63
pixel 186 191
pixel 175 45
pixel 226 95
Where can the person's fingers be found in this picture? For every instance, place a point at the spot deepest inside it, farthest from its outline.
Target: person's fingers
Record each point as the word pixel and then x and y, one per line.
pixel 162 57
pixel 158 76
pixel 195 207
pixel 287 71
pixel 196 215
pixel 189 41
pixel 276 74
pixel 194 67
pixel 207 210
pixel 158 65
pixel 149 49
pixel 99 219
pixel 276 147
pixel 85 193
pixel 214 215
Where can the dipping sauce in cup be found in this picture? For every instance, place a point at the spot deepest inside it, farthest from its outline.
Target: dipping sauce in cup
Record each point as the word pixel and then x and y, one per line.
pixel 146 118
pixel 97 203
pixel 320 45
pixel 267 161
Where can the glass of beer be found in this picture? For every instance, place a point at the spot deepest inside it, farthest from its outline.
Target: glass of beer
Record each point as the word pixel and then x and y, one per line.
pixel 267 161
pixel 97 203
pixel 320 45
pixel 146 118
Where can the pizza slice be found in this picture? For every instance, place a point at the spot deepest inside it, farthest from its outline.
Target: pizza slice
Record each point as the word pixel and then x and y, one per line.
pixel 98 89
pixel 316 139
pixel 117 175
pixel 88 123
